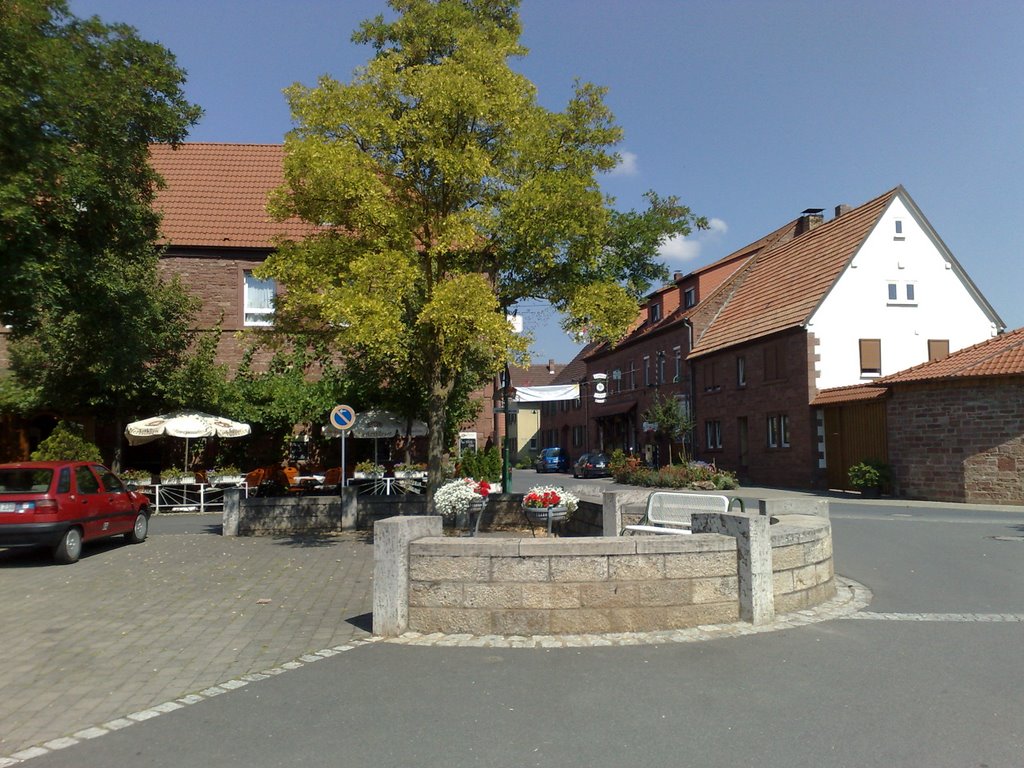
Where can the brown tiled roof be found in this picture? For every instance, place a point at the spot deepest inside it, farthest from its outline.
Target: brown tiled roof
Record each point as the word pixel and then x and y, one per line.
pixel 642 327
pixel 1002 355
pixel 537 375
pixel 216 195
pixel 576 368
pixel 783 285
pixel 852 394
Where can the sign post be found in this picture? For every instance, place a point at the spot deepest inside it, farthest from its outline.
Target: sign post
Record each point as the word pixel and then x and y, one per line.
pixel 342 418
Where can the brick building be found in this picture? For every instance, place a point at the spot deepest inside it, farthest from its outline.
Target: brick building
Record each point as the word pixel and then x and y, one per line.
pixel 953 428
pixel 748 342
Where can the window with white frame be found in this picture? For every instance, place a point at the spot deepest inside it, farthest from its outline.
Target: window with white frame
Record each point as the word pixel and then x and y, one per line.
pixel 901 292
pixel 778 431
pixel 689 297
pixel 661 368
pixel 741 371
pixel 258 300
pixel 713 434
pixel 678 375
pixel 647 371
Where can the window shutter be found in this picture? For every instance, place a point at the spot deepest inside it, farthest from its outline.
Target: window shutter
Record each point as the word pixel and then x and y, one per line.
pixel 871 356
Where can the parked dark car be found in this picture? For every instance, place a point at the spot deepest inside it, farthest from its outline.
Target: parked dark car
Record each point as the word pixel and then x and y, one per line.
pixel 61 504
pixel 552 460
pixel 593 464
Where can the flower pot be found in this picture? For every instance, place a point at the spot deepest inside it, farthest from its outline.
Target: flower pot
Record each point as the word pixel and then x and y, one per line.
pixel 546 515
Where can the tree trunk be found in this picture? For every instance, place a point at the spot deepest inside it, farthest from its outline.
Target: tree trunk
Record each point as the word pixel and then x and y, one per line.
pixel 437 404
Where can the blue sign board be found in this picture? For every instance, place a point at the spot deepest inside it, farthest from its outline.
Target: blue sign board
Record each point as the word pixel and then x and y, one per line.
pixel 343 417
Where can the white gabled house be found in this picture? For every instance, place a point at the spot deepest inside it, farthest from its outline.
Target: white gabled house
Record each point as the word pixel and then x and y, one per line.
pixel 903 299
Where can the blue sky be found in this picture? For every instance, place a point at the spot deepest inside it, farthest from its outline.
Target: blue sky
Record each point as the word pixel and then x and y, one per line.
pixel 749 112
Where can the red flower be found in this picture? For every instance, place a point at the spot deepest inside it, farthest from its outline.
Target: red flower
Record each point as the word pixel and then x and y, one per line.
pixel 483 488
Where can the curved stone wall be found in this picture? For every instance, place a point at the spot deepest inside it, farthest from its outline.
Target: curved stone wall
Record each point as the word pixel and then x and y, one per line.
pixel 604 584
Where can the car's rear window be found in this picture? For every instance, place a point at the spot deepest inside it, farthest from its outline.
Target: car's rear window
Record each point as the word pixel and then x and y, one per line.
pixel 25 480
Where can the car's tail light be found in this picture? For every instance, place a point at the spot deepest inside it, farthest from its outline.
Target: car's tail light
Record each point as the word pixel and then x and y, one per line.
pixel 44 506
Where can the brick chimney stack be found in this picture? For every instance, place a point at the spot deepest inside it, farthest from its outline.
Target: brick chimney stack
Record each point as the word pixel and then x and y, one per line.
pixel 809 219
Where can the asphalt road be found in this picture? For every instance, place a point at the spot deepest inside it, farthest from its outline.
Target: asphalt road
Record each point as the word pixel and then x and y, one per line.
pixel 929 675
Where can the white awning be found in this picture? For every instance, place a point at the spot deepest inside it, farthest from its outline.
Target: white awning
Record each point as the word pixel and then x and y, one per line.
pixel 543 394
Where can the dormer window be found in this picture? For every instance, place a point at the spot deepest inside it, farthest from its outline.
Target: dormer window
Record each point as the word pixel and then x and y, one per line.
pixel 689 297
pixel 655 312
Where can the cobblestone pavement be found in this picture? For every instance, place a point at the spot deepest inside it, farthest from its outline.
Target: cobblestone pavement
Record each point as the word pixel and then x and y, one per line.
pixel 129 627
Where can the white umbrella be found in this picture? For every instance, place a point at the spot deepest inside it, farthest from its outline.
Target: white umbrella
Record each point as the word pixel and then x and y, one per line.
pixel 186 424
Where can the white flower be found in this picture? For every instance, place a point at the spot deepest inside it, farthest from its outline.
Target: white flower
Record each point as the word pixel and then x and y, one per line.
pixel 453 498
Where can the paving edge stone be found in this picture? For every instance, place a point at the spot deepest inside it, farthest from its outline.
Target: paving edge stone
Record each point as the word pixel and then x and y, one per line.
pixel 850 597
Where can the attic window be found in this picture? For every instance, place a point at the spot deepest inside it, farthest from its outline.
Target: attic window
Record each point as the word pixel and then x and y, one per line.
pixel 901 293
pixel 899 230
pixel 655 312
pixel 689 297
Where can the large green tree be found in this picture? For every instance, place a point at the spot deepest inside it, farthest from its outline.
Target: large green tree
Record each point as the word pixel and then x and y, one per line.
pixel 448 194
pixel 94 328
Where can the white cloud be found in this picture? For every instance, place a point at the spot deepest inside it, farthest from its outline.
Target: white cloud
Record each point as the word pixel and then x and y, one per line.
pixel 717 226
pixel 627 165
pixel 678 250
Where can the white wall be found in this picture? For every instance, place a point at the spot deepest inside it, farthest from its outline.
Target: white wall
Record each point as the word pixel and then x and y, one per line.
pixel 858 306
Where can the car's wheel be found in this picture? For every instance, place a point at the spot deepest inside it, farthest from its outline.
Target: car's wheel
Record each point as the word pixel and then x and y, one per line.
pixel 137 534
pixel 70 547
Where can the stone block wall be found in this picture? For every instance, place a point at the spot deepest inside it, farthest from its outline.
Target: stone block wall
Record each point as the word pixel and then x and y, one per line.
pixel 569 586
pixel 603 584
pixel 961 442
pixel 802 568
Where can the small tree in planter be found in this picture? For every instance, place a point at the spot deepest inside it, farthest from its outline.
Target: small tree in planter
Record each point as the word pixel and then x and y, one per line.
pixel 869 477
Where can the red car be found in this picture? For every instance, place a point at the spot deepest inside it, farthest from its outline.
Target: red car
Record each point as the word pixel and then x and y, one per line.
pixel 60 504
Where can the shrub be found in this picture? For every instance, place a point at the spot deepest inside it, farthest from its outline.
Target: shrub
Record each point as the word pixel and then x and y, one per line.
pixel 483 464
pixel 66 443
pixel 869 474
pixel 694 475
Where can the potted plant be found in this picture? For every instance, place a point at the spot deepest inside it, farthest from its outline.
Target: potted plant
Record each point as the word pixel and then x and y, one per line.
pixel 457 498
pixel 869 477
pixel 410 471
pixel 368 469
pixel 226 475
pixel 548 504
pixel 136 477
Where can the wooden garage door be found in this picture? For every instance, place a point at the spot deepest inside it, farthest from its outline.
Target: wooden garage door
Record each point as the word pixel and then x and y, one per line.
pixel 853 433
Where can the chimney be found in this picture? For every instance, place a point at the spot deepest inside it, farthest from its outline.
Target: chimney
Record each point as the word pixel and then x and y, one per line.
pixel 551 366
pixel 677 276
pixel 809 219
pixel 841 209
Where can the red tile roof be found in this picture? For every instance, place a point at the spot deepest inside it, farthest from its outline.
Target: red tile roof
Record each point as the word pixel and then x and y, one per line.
pixel 782 286
pixel 216 195
pixel 852 394
pixel 1002 355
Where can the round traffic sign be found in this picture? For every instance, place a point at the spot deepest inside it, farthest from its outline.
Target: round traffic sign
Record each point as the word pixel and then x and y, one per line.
pixel 342 417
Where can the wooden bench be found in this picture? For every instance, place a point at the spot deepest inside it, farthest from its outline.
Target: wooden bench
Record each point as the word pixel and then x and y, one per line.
pixel 670 512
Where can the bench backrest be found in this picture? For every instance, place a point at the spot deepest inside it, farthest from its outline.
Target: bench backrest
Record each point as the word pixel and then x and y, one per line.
pixel 667 508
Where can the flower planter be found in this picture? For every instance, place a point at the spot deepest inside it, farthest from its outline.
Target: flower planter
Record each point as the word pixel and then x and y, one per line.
pixel 546 515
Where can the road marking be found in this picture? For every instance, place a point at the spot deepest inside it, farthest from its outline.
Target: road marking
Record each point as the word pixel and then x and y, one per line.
pixel 946 617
